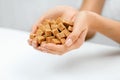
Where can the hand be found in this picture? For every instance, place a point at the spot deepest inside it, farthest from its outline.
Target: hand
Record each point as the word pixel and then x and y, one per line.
pixel 82 22
pixel 65 12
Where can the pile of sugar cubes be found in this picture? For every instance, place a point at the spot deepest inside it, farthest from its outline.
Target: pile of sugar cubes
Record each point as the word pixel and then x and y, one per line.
pixel 52 31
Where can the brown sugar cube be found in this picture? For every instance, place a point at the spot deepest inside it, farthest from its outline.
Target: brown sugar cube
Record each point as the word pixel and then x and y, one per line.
pixel 48 32
pixel 49 39
pixel 63 33
pixel 32 36
pixel 54 26
pixel 62 40
pixel 61 26
pixel 39 32
pixel 52 22
pixel 70 28
pixel 67 23
pixel 59 20
pixel 44 36
pixel 56 41
pixel 55 31
pixel 46 21
pixel 41 27
pixel 47 26
pixel 40 39
pixel 60 35
pixel 66 32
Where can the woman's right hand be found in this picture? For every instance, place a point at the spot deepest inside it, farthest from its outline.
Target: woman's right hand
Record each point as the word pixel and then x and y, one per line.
pixel 66 12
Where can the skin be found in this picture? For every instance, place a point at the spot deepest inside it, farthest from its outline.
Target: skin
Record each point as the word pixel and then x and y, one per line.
pixel 94 6
pixel 87 21
pixel 108 27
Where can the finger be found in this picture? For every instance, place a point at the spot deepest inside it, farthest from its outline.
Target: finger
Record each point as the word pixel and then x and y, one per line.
pixel 73 19
pixel 69 15
pixel 35 26
pixel 78 27
pixel 42 49
pixel 34 43
pixel 80 41
pixel 54 47
pixel 58 49
pixel 47 50
pixel 30 41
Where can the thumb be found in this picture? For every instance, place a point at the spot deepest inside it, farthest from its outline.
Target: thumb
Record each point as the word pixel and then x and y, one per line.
pixel 71 38
pixel 78 28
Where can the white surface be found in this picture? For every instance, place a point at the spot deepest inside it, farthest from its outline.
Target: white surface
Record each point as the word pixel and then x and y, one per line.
pixel 102 39
pixel 19 61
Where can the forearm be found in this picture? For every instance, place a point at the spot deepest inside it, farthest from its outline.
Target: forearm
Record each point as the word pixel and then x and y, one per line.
pixel 109 28
pixel 92 5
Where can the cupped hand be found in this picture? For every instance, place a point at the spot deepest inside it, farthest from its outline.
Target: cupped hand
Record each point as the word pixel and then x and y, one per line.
pixel 65 12
pixel 82 22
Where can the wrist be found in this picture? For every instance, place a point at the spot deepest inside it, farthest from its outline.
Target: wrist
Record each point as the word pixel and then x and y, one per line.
pixel 93 20
pixel 88 18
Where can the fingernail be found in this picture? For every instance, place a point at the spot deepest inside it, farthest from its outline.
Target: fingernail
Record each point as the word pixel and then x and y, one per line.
pixel 68 42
